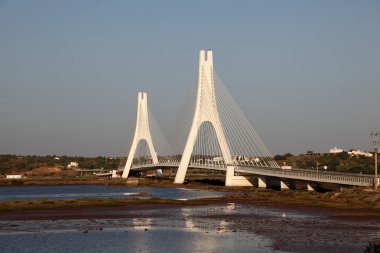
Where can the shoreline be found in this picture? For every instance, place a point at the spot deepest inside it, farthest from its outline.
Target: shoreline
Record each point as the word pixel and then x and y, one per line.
pixel 350 203
pixel 99 210
pixel 350 209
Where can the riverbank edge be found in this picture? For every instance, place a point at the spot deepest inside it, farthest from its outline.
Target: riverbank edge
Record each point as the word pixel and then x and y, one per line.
pixel 350 203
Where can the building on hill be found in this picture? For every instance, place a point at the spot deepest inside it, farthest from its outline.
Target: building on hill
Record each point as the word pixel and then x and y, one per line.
pixel 72 165
pixel 312 153
pixel 336 150
pixel 15 176
pixel 358 152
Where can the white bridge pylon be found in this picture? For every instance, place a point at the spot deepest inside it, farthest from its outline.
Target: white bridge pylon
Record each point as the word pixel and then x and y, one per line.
pixel 142 132
pixel 206 111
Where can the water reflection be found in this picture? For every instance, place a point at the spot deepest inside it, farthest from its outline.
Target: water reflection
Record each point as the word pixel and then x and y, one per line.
pixel 177 228
pixel 198 227
pixel 188 220
pixel 142 223
pixel 206 219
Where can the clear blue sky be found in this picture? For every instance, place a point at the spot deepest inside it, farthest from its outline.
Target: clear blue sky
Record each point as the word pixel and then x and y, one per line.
pixel 305 73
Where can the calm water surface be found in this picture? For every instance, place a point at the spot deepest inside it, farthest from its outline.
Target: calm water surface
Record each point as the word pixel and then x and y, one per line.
pixel 230 227
pixel 99 191
pixel 133 240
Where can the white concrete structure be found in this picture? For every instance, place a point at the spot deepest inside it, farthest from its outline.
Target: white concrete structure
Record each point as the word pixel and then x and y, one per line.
pixel 336 150
pixel 310 188
pixel 262 182
pixel 114 174
pixel 283 186
pixel 142 132
pixel 254 162
pixel 207 111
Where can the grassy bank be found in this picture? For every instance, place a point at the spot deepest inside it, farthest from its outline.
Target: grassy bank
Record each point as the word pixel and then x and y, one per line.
pixel 103 202
pixel 53 181
pixel 345 199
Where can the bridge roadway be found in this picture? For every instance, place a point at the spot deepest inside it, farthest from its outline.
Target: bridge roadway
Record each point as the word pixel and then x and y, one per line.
pixel 293 174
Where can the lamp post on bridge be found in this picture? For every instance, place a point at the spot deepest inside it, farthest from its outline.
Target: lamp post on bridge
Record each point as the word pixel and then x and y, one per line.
pixel 375 141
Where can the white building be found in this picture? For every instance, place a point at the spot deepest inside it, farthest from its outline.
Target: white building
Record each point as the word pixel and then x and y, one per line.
pixel 358 152
pixel 73 165
pixel 14 176
pixel 336 150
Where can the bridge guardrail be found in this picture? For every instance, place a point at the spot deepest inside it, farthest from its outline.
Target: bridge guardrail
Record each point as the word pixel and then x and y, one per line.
pixel 338 178
pixel 300 174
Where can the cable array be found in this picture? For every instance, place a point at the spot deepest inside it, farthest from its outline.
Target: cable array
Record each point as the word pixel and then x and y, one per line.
pixel 207 150
pixel 246 146
pixel 179 133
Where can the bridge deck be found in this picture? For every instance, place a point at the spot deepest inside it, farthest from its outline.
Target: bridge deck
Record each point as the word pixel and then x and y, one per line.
pixel 313 176
pixel 295 174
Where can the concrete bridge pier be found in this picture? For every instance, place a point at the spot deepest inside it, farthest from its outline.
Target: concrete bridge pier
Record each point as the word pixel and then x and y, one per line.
pixel 310 188
pixel 159 173
pixel 240 181
pixel 283 185
pixel 317 187
pixel 279 183
pixel 262 182
pixel 288 184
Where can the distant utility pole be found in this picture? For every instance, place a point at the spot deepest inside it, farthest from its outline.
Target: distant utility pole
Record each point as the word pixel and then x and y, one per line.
pixel 375 141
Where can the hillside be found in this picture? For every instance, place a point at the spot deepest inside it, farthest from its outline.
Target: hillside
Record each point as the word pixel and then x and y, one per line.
pixel 341 162
pixel 52 164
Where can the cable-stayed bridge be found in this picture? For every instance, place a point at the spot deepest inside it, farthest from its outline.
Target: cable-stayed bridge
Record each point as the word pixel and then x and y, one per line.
pixel 212 133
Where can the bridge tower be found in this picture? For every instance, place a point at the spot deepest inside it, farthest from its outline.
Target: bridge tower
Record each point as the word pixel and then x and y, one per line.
pixel 142 132
pixel 206 111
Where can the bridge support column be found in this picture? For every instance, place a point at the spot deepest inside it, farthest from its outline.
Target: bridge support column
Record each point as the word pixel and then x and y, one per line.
pixel 159 173
pixel 262 182
pixel 283 186
pixel 206 111
pixel 239 181
pixel 114 174
pixel 310 188
pixel 230 174
pixel 142 132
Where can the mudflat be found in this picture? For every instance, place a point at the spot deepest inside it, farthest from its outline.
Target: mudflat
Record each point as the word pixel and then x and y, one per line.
pixel 348 203
pixel 290 226
pixel 290 218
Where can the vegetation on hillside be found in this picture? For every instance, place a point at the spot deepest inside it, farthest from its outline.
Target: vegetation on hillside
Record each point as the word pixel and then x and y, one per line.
pixel 15 163
pixel 341 162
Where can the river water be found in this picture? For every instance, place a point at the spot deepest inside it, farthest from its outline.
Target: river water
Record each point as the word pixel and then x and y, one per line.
pixel 99 191
pixel 230 227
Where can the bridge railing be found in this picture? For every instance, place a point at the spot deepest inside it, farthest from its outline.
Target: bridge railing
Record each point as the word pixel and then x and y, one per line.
pixel 328 177
pixel 300 174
